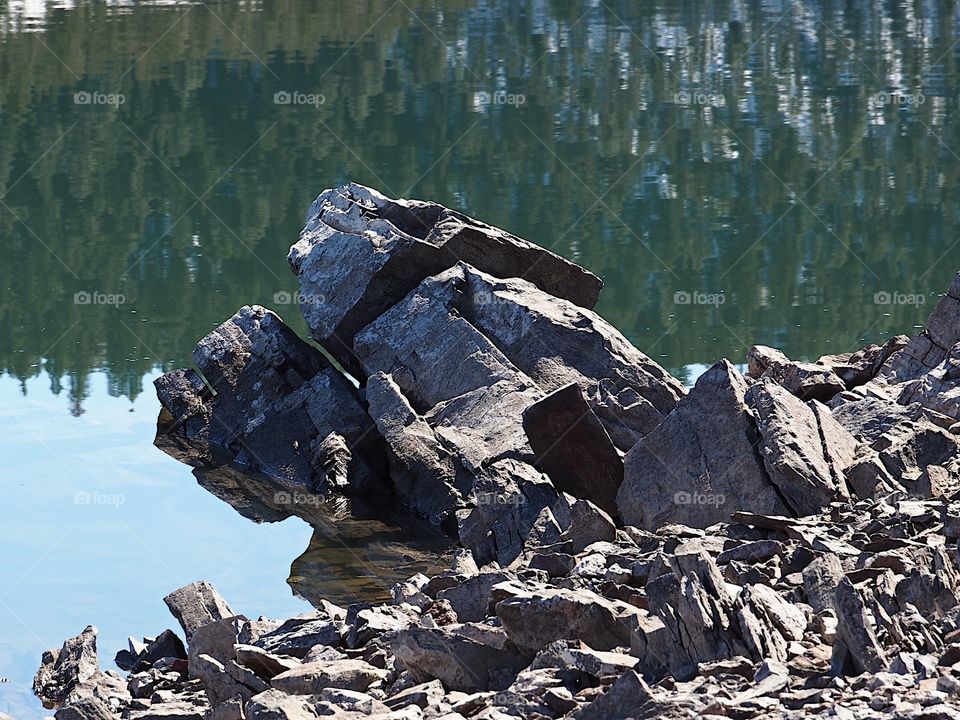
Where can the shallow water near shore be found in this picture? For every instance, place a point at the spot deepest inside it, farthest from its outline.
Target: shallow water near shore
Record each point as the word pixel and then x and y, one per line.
pixel 779 173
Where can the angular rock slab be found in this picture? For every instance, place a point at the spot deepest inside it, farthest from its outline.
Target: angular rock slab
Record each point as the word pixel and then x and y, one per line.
pixel 794 448
pixel 573 448
pixel 361 252
pixel 701 463
pixel 928 349
pixel 278 407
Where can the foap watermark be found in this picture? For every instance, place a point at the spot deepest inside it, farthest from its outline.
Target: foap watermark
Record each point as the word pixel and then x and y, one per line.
pixel 897 99
pixel 682 297
pixel 297 498
pixel 697 498
pixel 499 97
pixel 295 97
pixel 95 297
pixel 885 297
pixel 95 97
pixel 494 498
pixel 688 98
pixel 285 298
pixel 98 498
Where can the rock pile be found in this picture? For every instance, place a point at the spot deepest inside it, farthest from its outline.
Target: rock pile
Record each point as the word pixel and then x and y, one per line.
pixel 780 543
pixel 852 613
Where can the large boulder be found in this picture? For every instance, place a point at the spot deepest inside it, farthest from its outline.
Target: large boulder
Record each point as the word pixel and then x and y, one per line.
pixel 361 252
pixel 277 407
pixel 796 443
pixel 701 463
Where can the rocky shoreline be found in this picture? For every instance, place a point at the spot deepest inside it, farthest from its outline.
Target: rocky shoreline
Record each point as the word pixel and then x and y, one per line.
pixel 780 543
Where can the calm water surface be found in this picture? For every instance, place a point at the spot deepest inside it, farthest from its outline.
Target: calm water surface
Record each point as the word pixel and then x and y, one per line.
pixel 777 172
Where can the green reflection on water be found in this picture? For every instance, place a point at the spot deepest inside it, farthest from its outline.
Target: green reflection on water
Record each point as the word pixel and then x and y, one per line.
pixel 744 157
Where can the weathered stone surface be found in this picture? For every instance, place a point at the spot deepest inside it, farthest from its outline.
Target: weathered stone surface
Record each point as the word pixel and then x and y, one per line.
pixel 761 357
pixel 361 252
pixel 196 605
pixel 700 464
pixel 805 380
pixel 572 447
pixel 265 664
pixel 507 500
pixel 535 620
pixel 184 424
pixel 870 418
pixel 794 449
pixel 223 681
pixel 298 635
pixel 557 343
pixel 459 662
pixel 73 673
pixel 928 349
pixel 89 708
pixel 855 631
pixel 311 678
pixel 277 705
pixel 858 368
pixel 282 409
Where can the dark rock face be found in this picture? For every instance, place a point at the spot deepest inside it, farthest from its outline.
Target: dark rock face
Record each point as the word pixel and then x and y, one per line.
pixel 701 461
pixel 278 407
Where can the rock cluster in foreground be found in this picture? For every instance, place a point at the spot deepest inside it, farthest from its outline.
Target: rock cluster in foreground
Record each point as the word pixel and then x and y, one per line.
pixel 780 543
pixel 852 613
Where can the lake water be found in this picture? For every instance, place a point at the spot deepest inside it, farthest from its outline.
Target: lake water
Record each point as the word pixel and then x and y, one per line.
pixel 776 172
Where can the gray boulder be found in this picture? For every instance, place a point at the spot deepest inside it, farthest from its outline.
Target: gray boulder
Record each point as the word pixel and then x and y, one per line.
pixel 700 464
pixel 196 605
pixel 361 252
pixel 279 407
pixel 794 448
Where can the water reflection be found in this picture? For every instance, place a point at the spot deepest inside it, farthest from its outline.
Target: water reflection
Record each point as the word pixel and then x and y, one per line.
pixel 356 554
pixel 794 159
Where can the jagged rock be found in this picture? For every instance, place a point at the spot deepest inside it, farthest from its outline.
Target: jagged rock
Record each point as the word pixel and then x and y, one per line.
pixel 361 253
pixel 217 639
pixel 89 708
pixel 265 664
pixel 794 447
pixel 223 681
pixel 821 578
pixel 700 463
pixel 196 605
pixel 311 678
pixel 459 662
pixel 277 705
pixel 761 357
pixel 870 418
pixel 298 635
pixel 588 524
pixel 805 380
pixel 854 631
pixel 185 398
pixel 353 701
pixel 470 599
pixel 424 695
pixel 573 448
pixel 929 348
pixel 556 343
pixel 507 500
pixel 534 620
pixel 73 673
pixel 280 408
pixel 858 368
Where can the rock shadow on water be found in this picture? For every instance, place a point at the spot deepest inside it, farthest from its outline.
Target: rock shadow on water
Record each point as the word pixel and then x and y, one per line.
pixel 359 548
